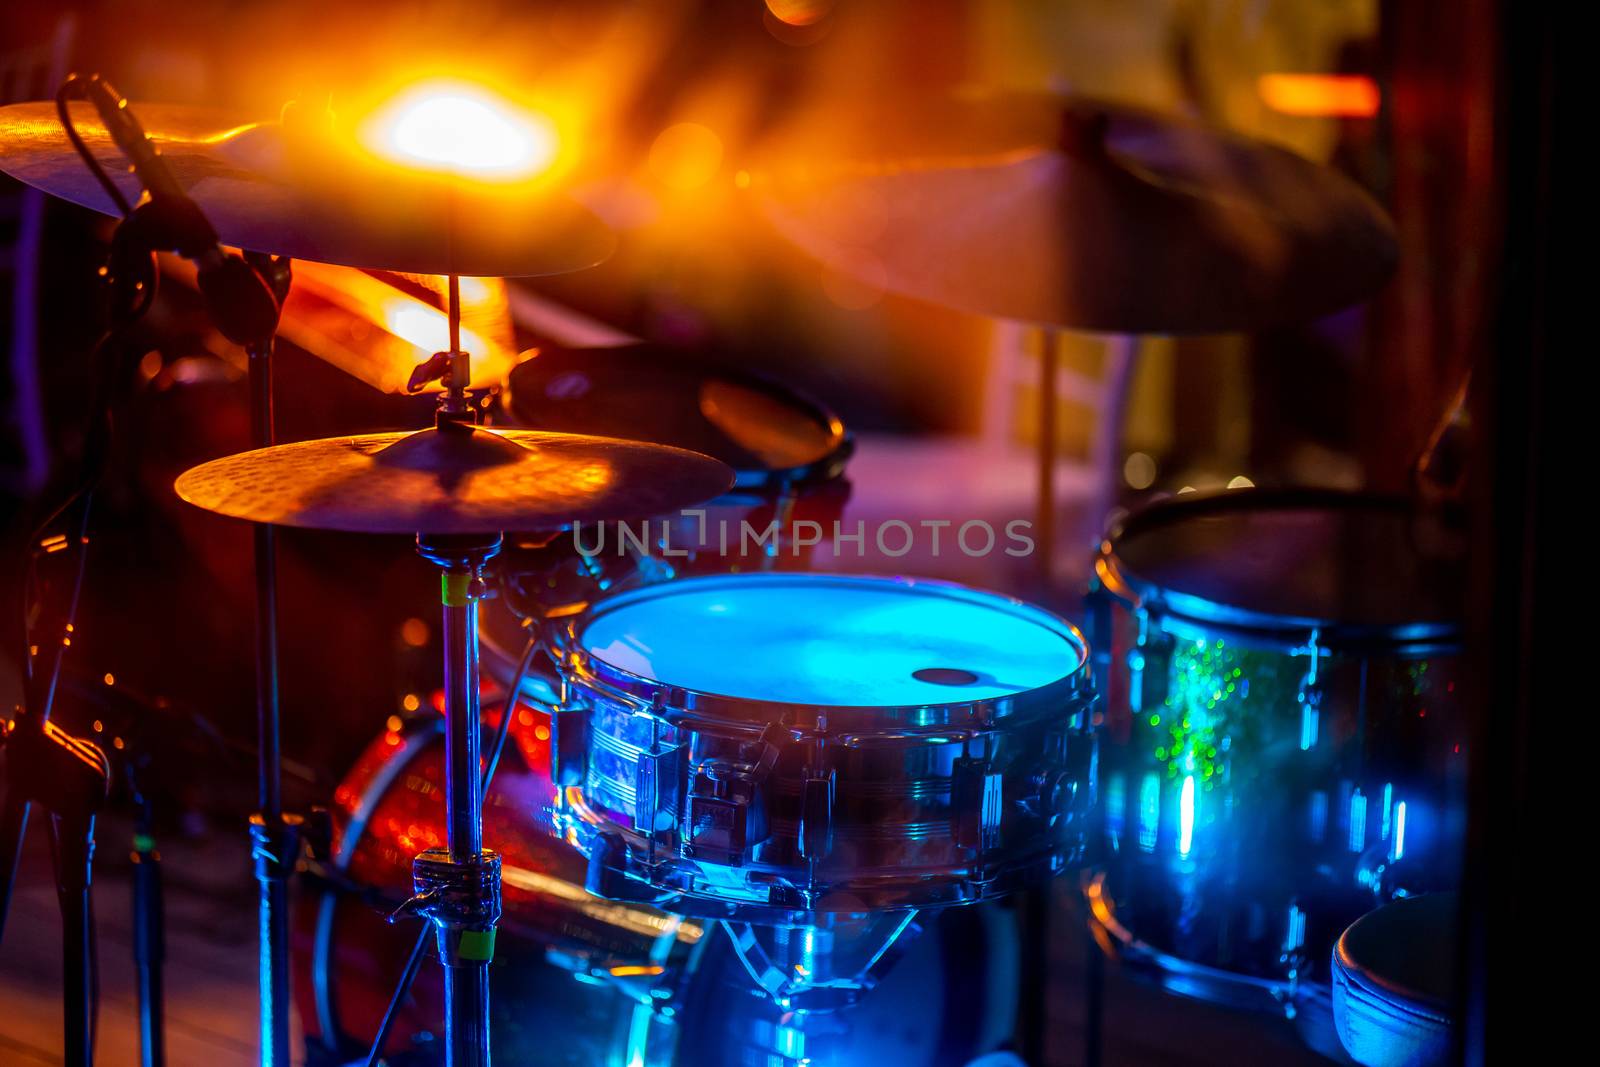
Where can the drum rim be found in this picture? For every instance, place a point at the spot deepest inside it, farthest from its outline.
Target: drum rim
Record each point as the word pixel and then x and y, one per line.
pixel 1203 615
pixel 825 468
pixel 673 702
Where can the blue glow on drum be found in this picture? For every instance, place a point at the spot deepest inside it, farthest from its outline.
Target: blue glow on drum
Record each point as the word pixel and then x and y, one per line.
pixel 1358 821
pixel 1308 725
pixel 1399 830
pixel 1149 812
pixel 1319 815
pixel 1186 816
pixel 834 642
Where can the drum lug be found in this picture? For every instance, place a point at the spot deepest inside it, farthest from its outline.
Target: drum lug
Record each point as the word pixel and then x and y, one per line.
pixel 1310 694
pixel 976 797
pixel 569 745
pixel 655 782
pixel 1136 664
pixel 816 817
pixel 727 811
pixel 607 873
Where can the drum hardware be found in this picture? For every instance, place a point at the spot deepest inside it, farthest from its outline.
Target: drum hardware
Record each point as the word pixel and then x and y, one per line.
pixel 70 776
pixel 242 296
pixel 824 966
pixel 581 980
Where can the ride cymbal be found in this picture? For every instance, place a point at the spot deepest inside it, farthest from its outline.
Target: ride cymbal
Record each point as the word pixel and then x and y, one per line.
pixel 1077 214
pixel 311 195
pixel 453 480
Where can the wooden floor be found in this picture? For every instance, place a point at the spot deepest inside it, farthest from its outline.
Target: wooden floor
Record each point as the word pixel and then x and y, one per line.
pixel 211 995
pixel 210 973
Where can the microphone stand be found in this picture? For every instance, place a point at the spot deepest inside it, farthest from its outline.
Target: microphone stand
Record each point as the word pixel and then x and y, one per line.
pixel 70 777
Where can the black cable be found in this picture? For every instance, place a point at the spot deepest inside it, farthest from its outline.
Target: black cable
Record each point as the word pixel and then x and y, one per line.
pixel 401 990
pixel 71 89
pixel 414 962
pixel 97 445
pixel 503 729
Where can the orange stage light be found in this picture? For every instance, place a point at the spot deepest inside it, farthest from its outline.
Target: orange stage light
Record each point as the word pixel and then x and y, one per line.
pixel 1320 95
pixel 462 129
pixel 379 334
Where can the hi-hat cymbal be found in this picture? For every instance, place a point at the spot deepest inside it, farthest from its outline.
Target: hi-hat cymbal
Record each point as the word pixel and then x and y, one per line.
pixel 1078 214
pixel 454 480
pixel 312 197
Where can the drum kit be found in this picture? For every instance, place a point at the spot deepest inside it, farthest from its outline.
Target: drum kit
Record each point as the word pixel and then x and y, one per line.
pixel 739 792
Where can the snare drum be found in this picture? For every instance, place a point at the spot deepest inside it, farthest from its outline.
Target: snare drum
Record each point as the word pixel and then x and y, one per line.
pixel 774 746
pixel 1284 743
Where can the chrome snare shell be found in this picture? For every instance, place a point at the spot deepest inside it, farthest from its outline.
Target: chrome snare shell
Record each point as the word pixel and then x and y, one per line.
pixel 773 809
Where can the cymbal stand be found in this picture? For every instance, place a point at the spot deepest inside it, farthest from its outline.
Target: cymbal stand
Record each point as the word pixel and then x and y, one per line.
pixel 274 833
pixel 457 888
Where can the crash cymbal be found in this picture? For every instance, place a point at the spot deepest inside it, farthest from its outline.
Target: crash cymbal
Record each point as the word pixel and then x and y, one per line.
pixel 453 480
pixel 267 188
pixel 1077 214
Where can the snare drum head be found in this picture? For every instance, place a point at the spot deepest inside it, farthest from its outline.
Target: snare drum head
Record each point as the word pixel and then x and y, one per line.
pixel 832 641
pixel 1277 559
pixel 651 393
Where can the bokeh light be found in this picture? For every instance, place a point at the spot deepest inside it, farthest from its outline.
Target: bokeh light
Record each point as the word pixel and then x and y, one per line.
pixel 1320 95
pixel 1139 471
pixel 685 156
pixel 462 129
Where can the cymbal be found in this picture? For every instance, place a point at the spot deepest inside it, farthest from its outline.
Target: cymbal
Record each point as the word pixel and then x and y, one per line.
pixel 310 196
pixel 453 480
pixel 1078 214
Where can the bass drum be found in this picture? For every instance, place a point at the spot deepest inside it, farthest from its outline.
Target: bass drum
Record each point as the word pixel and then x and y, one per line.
pixel 578 980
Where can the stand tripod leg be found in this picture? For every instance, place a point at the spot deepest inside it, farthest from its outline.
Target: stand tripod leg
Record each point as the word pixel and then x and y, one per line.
pixel 270 832
pixel 149 948
pixel 13 829
pixel 275 846
pixel 74 840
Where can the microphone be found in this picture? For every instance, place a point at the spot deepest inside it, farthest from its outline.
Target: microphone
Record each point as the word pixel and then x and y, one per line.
pixel 242 303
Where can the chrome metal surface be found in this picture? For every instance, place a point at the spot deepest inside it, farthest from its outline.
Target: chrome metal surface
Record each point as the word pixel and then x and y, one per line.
pixel 582 981
pixel 767 802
